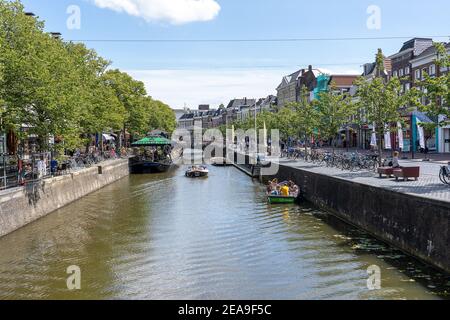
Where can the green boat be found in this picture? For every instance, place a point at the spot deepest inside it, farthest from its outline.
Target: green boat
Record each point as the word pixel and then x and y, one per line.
pixel 277 198
pixel 281 200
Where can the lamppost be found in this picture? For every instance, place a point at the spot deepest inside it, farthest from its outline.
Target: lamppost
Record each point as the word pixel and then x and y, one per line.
pixel 413 145
pixel 256 131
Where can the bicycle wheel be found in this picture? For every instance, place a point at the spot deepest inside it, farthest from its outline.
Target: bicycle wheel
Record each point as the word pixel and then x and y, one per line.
pixel 444 177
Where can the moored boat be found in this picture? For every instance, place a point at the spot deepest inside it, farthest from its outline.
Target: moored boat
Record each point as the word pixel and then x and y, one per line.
pixel 152 155
pixel 197 172
pixel 220 162
pixel 281 199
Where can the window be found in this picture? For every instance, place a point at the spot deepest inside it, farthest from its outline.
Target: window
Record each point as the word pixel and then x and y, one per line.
pixel 395 74
pixel 432 70
pixel 407 70
pixel 401 73
pixel 417 74
pixel 407 87
pixel 424 71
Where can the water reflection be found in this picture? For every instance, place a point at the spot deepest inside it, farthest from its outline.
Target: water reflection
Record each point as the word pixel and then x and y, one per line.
pixel 168 237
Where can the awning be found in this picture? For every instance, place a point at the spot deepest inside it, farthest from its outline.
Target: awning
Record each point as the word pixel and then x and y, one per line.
pixel 422 117
pixel 108 137
pixel 153 141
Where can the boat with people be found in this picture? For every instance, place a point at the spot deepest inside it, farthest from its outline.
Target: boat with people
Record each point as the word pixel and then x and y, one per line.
pixel 197 172
pixel 152 154
pixel 286 192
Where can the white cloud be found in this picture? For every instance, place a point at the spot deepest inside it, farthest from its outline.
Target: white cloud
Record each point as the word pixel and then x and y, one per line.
pixel 172 11
pixel 198 86
pixel 194 87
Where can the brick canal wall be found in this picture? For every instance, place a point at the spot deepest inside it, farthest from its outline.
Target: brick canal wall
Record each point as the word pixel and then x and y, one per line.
pixel 21 206
pixel 418 226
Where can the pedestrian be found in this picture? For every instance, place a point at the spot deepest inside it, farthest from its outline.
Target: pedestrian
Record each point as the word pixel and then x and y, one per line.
pixel 395 161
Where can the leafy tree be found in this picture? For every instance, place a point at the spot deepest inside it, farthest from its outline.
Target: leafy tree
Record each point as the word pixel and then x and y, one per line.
pixel 161 116
pixel 306 118
pixel 131 94
pixel 52 88
pixel 285 122
pixel 334 111
pixel 382 101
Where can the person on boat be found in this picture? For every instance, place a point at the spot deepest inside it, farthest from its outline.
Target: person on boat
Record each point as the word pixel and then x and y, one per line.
pixel 273 184
pixel 294 190
pixel 285 191
pixel 276 191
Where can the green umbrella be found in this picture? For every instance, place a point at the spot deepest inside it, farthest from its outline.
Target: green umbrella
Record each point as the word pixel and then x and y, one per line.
pixel 152 141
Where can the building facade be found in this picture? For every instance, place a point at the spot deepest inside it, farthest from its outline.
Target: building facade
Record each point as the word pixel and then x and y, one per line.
pixel 291 86
pixel 422 65
pixel 402 68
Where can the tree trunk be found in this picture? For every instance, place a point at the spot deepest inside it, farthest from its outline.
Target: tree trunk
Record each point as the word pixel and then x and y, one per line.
pixel 333 145
pixel 124 137
pixel 380 150
pixel 306 147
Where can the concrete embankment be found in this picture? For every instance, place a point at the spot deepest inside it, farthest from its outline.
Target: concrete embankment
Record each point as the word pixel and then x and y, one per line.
pixel 21 206
pixel 416 225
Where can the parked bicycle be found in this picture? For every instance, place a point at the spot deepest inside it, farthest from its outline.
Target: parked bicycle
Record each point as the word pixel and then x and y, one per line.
pixel 444 174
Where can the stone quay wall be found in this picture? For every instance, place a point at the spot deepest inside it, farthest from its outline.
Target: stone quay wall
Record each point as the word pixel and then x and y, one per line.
pixel 21 206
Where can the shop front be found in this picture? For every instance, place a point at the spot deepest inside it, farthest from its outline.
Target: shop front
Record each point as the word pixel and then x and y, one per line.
pixel 444 137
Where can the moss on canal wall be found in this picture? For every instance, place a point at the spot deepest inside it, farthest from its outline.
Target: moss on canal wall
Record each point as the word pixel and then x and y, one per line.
pixel 21 206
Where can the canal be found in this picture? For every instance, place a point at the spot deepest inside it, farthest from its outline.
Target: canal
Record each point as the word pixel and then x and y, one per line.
pixel 169 237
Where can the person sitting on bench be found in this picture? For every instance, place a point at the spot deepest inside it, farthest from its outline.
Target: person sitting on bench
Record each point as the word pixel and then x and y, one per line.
pixel 395 161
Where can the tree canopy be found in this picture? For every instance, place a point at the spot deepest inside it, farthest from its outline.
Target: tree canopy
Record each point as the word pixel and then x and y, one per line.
pixel 381 101
pixel 49 87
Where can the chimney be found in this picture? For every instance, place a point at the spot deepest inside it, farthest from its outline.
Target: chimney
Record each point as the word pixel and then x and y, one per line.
pixel 55 35
pixel 310 68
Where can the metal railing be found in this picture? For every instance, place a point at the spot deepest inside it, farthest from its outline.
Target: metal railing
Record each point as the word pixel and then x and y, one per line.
pixel 16 171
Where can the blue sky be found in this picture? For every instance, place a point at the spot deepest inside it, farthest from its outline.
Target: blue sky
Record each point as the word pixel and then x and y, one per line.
pixel 194 73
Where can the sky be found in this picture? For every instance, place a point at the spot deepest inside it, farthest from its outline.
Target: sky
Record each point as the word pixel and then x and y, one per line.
pixel 191 73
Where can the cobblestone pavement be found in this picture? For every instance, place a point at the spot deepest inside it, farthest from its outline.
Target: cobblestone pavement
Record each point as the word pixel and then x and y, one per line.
pixel 428 186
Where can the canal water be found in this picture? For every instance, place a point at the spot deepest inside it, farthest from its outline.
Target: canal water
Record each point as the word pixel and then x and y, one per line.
pixel 169 237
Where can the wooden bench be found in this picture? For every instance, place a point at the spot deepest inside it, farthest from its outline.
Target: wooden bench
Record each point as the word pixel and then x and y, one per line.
pixel 407 172
pixel 386 171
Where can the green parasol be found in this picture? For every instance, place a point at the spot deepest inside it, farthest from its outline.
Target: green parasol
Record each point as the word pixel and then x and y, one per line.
pixel 152 141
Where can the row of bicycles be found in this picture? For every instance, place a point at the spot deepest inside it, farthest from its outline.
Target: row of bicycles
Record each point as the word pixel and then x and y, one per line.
pixel 351 161
pixel 83 161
